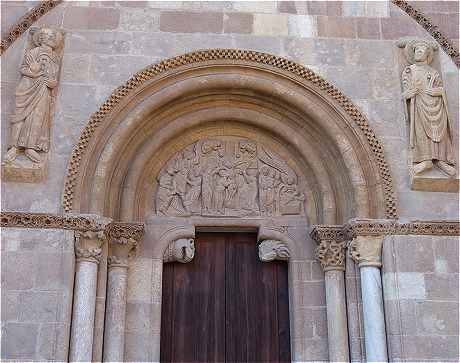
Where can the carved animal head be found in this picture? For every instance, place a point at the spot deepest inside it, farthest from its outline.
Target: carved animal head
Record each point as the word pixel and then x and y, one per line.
pixel 184 250
pixel 270 250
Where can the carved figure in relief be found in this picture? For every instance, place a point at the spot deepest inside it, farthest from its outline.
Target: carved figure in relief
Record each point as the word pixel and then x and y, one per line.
pixel 430 135
pixel 227 177
pixel 30 125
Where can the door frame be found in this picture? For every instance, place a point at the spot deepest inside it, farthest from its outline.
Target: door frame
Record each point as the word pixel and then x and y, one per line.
pixel 293 231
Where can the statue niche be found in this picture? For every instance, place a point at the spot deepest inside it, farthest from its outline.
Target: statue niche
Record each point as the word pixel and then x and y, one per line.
pixel 227 177
pixel 430 134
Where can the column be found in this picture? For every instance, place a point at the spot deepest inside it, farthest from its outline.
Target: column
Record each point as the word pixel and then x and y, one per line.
pixel 123 240
pixel 331 255
pixel 366 250
pixel 88 249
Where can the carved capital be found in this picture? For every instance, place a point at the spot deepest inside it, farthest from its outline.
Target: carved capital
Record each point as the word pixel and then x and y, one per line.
pixel 366 250
pixel 331 246
pixel 181 250
pixel 270 250
pixel 124 240
pixel 88 245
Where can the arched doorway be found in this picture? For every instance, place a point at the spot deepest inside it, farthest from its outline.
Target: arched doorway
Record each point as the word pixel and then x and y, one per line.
pixel 241 98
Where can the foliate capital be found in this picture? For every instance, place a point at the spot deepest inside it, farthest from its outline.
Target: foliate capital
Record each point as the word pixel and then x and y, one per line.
pixel 88 245
pixel 331 246
pixel 124 239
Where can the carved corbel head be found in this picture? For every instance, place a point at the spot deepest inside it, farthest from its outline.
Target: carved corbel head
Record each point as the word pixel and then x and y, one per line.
pixel 270 250
pixel 181 250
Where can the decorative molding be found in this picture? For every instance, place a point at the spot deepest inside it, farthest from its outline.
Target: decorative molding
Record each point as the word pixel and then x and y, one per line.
pixel 26 21
pixel 369 227
pixel 327 232
pixel 123 231
pixel 181 250
pixel 76 222
pixel 435 228
pixel 270 250
pixel 431 28
pixel 199 57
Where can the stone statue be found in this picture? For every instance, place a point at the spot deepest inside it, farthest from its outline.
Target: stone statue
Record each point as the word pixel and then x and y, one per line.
pixel 270 250
pixel 430 135
pixel 181 250
pixel 30 125
pixel 228 176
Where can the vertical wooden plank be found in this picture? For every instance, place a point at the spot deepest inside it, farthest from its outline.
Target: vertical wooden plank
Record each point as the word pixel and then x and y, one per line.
pixel 283 312
pixel 167 313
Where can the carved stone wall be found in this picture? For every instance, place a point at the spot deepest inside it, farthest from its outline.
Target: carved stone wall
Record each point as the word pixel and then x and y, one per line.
pixel 228 176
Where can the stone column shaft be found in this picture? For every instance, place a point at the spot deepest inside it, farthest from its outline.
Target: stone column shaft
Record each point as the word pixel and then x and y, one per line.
pixel 337 329
pixel 81 343
pixel 367 251
pixel 373 314
pixel 124 238
pixel 331 254
pixel 88 253
pixel 114 335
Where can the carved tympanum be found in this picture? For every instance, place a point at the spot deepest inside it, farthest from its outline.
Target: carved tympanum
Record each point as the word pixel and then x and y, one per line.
pixel 270 250
pixel 227 177
pixel 181 250
pixel 430 135
pixel 31 122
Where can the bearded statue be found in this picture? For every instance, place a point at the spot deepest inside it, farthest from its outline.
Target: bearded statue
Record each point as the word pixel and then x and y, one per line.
pixel 430 134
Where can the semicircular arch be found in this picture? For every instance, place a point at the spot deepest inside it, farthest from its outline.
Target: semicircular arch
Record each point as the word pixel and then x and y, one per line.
pixel 283 105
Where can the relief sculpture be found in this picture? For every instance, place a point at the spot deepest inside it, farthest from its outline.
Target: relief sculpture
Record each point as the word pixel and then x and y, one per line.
pixel 430 134
pixel 227 177
pixel 31 122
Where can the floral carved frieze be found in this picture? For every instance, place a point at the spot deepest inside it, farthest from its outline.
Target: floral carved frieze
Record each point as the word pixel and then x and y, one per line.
pixel 181 250
pixel 270 250
pixel 29 139
pixel 76 222
pixel 228 176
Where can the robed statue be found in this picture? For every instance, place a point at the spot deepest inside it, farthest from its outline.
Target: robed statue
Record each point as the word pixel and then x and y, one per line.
pixel 430 134
pixel 30 124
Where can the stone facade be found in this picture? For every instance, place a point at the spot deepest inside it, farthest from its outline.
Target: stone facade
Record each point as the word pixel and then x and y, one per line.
pixel 332 154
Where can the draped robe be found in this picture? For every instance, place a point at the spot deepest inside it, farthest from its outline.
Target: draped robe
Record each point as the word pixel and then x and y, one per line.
pixel 430 132
pixel 30 127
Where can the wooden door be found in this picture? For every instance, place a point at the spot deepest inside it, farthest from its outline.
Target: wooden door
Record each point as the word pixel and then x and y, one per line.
pixel 225 305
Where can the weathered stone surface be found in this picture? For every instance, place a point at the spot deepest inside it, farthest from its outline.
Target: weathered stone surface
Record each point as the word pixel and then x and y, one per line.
pixel 19 341
pixel 91 18
pixel 441 286
pixel 270 24
pixel 444 348
pixel 404 285
pixel 302 26
pixel 312 323
pixel 336 27
pixel 435 318
pixel 446 251
pixel 23 278
pixel 238 23
pixel 102 42
pixel 184 22
pixel 145 20
pixel 415 254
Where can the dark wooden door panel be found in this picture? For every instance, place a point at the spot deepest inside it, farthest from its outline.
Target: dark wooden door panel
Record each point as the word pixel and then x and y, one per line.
pixel 226 305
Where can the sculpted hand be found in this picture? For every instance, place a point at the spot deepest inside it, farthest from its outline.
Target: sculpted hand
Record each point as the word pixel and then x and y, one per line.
pixel 409 93
pixel 51 83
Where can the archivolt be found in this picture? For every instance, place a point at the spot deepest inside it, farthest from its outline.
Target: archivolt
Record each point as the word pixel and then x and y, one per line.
pixel 88 160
